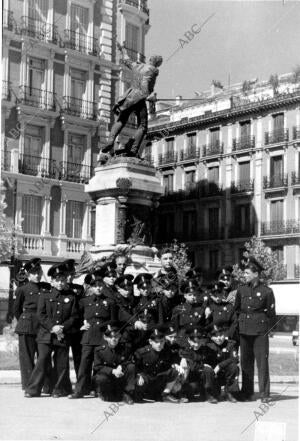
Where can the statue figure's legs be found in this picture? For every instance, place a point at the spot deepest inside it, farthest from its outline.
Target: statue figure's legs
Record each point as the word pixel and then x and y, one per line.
pixel 116 129
pixel 142 120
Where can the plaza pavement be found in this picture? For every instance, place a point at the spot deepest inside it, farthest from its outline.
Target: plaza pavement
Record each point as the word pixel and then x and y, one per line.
pixel 47 418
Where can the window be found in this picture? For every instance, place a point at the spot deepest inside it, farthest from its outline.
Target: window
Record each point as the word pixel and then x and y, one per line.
pixel 79 19
pixel 278 122
pixel 132 37
pixel 213 221
pixel 32 214
pixel 215 137
pixel 148 151
pixel 166 227
pixel 74 219
pixel 213 259
pixel 276 170
pixel 78 83
pixel 76 148
pixel 276 211
pixel 36 74
pixel 213 175
pixel 33 141
pixel 190 178
pixel 189 224
pixel 244 171
pixel 191 141
pixel 37 9
pixel 245 128
pixel 278 250
pixel 242 217
pixel 170 146
pixel 168 183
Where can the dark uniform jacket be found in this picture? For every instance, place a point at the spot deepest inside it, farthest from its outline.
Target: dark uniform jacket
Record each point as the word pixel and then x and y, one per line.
pixel 222 312
pixel 107 359
pixel 255 308
pixel 77 290
pixel 126 310
pixel 152 363
pixel 195 358
pixel 188 315
pixel 165 308
pixel 26 304
pixel 110 292
pixel 98 311
pixel 57 308
pixel 147 307
pixel 221 355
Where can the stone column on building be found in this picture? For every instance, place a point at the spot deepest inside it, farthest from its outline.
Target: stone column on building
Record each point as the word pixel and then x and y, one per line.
pixel 46 226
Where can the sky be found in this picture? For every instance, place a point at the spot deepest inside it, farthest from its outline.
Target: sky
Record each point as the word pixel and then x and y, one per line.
pixel 236 41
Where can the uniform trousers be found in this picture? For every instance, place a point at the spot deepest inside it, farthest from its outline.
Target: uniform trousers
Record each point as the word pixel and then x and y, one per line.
pixel 200 380
pixel 255 347
pixel 76 350
pixel 62 385
pixel 112 387
pixel 154 385
pixel 28 348
pixel 83 384
pixel 228 377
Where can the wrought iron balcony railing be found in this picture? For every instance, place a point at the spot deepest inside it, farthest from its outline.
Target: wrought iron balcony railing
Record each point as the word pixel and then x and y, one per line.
pixel 276 181
pixel 81 42
pixel 213 149
pixel 43 99
pixel 5 90
pixel 295 178
pixel 296 132
pixel 35 165
pixel 242 186
pixel 276 136
pixel 135 55
pixel 190 153
pixel 194 190
pixel 39 29
pixel 291 226
pixel 139 4
pixel 243 143
pixel 74 172
pixel 7 19
pixel 167 158
pixel 237 231
pixel 81 108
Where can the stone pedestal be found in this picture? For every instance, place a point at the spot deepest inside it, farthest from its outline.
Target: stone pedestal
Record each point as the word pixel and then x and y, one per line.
pixel 126 191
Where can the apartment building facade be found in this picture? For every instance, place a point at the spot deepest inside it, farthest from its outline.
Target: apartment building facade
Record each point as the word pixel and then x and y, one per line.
pixel 230 165
pixel 60 78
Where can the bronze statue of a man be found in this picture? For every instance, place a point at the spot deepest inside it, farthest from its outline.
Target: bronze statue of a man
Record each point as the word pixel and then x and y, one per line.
pixel 134 100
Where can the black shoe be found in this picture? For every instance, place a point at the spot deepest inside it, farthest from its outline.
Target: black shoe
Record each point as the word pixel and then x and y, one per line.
pixel 211 399
pixel 74 396
pixel 250 398
pixel 127 399
pixel 230 398
pixel 265 399
pixel 28 395
pixel 168 398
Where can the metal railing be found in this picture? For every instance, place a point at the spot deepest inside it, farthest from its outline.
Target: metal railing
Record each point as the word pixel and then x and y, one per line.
pixel 139 4
pixel 35 165
pixel 74 172
pixel 295 178
pixel 5 90
pixel 43 99
pixel 81 108
pixel 167 158
pixel 39 29
pixel 296 132
pixel 135 55
pixel 243 143
pixel 213 149
pixel 81 42
pixel 190 153
pixel 291 226
pixel 7 19
pixel 276 181
pixel 276 136
pixel 242 186
pixel 195 190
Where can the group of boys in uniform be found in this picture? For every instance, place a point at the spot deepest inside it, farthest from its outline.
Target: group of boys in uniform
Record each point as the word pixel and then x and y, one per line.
pixel 142 338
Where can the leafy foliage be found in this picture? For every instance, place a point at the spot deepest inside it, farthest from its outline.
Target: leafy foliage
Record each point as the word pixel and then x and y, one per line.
pixel 274 270
pixel 9 242
pixel 181 261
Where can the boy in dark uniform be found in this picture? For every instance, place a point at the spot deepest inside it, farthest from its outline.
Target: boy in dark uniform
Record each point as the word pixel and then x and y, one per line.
pixel 114 370
pixel 255 309
pixel 167 300
pixel 125 301
pixel 57 315
pixel 96 311
pixel 109 276
pixel 25 311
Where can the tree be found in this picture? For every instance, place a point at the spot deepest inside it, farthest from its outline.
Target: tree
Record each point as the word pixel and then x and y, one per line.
pixel 181 261
pixel 9 242
pixel 274 270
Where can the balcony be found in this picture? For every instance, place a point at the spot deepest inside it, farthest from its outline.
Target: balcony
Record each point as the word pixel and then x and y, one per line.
pixel 39 29
pixel 80 108
pixel 296 132
pixel 136 56
pixel 138 4
pixel 5 90
pixel 7 19
pixel 237 230
pixel 213 149
pixel 190 154
pixel 43 99
pixel 295 178
pixel 291 226
pixel 38 245
pixel 194 190
pixel 242 186
pixel 243 143
pixel 277 136
pixel 49 168
pixel 81 42
pixel 167 158
pixel 211 233
pixel 275 182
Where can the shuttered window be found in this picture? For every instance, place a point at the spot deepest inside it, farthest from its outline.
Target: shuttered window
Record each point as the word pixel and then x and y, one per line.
pixel 213 175
pixel 32 214
pixel 244 171
pixel 276 167
pixel 79 19
pixel 76 147
pixel 132 37
pixel 168 183
pixel 277 211
pixel 74 219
